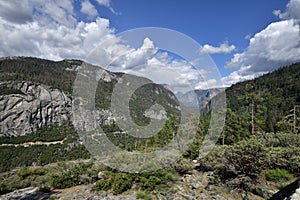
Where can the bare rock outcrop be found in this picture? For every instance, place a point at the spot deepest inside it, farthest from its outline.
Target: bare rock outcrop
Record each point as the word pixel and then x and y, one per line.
pixel 39 105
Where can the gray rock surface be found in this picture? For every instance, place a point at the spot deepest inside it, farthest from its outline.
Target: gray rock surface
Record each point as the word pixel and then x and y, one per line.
pixel 296 195
pixel 290 192
pixel 31 193
pixel 39 105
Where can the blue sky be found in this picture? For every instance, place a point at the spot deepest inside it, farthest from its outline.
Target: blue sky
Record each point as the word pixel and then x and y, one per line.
pixel 245 39
pixel 206 21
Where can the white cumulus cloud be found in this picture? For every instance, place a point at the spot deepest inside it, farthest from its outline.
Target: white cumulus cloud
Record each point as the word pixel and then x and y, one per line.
pixel 51 31
pixel 276 46
pixel 291 12
pixel 21 15
pixel 136 58
pixel 53 41
pixel 88 9
pixel 224 48
pixel 16 12
pixel 208 84
pixel 106 3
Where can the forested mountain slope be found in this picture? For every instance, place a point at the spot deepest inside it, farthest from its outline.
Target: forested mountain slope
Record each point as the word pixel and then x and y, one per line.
pixel 269 100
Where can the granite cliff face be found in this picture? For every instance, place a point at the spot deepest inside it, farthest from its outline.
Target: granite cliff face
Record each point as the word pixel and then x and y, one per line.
pixel 40 94
pixel 44 94
pixel 38 106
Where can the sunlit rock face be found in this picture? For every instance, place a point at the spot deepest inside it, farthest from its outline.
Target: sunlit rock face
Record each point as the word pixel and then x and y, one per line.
pixel 39 105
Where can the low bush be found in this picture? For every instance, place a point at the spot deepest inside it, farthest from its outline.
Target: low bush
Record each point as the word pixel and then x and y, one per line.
pixel 122 182
pixel 155 180
pixel 4 188
pixel 65 180
pixel 278 175
pixel 104 184
pixel 222 174
pixel 255 155
pixel 143 195
pixel 183 166
pixel 26 172
pixel 246 158
pixel 73 176
pixel 118 182
pixel 215 159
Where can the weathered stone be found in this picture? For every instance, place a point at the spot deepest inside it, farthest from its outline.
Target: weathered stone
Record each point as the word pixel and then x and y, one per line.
pixel 265 193
pixel 196 185
pixel 40 105
pixel 26 193
pixel 290 192
pixel 100 175
pixel 186 196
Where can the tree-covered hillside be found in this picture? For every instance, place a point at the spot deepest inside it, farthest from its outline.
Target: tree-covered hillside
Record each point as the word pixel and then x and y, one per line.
pixel 40 71
pixel 265 104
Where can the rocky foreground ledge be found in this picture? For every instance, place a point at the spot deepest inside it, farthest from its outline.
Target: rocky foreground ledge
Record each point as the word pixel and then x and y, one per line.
pixel 290 192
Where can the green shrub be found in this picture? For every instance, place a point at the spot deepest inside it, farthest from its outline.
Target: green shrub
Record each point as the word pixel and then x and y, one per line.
pixel 118 182
pixel 4 188
pixel 104 184
pixel 221 174
pixel 282 185
pixel 40 171
pixel 143 195
pixel 121 183
pixel 155 180
pixel 278 175
pixel 246 158
pixel 284 158
pixel 279 139
pixel 65 180
pixel 72 177
pixel 215 159
pixel 26 172
pixel 53 197
pixel 183 166
pixel 150 182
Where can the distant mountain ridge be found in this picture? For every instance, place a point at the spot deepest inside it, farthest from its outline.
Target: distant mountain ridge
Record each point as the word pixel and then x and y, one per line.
pixel 199 99
pixel 36 79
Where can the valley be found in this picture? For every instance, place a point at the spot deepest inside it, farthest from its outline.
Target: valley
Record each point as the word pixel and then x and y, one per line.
pixel 43 156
